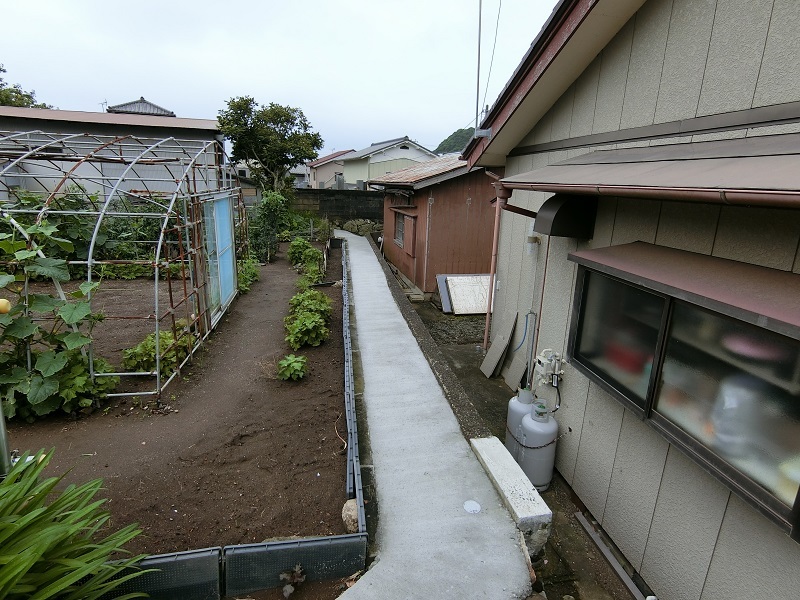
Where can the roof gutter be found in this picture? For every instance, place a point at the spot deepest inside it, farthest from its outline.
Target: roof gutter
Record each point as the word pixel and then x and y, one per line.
pixel 762 198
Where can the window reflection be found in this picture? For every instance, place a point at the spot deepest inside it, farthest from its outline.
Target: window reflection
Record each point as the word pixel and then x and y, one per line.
pixel 735 388
pixel 618 333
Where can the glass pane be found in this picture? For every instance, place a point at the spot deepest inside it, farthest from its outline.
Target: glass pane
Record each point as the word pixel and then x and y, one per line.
pixel 618 333
pixel 736 388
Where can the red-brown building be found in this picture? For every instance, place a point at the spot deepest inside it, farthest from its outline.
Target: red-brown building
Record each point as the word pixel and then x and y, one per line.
pixel 437 219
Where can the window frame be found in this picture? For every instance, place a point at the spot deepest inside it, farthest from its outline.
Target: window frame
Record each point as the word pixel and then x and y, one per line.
pixel 787 518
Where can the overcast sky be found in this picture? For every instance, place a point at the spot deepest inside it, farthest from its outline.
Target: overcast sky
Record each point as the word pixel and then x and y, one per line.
pixel 362 71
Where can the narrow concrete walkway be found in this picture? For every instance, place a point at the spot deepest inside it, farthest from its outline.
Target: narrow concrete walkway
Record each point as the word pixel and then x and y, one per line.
pixel 429 545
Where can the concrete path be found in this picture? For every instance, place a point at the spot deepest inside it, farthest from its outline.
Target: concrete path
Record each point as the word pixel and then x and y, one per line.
pixel 429 545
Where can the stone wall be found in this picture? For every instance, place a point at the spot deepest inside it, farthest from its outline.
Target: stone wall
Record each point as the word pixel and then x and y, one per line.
pixel 340 205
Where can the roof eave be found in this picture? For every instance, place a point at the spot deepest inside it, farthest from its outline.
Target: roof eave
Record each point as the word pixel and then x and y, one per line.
pixel 573 36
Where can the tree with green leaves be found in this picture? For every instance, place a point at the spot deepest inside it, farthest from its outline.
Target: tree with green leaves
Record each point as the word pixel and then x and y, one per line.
pixel 14 95
pixel 270 140
pixel 456 141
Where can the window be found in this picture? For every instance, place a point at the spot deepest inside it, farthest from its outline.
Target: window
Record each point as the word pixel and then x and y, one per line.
pixel 399 228
pixel 695 347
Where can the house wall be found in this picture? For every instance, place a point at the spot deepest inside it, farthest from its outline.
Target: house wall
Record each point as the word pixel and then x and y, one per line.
pixel 323 176
pixel 687 534
pixel 453 230
pixel 356 170
pixel 378 168
pixel 386 161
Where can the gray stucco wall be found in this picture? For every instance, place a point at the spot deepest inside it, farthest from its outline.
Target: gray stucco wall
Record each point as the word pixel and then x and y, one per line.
pixel 687 534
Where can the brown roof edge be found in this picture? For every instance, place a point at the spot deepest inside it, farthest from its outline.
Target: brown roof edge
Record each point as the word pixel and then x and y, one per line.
pixel 566 12
pixel 763 198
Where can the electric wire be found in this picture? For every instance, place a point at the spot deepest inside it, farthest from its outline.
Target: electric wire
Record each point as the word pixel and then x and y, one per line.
pixel 491 61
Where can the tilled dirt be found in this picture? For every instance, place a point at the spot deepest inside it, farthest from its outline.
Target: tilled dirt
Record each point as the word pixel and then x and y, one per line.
pixel 232 455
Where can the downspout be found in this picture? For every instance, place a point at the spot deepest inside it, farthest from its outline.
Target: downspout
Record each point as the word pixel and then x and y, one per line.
pixel 503 194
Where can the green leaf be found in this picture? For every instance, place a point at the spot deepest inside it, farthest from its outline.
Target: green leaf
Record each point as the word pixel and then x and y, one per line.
pixel 74 312
pixel 65 245
pixel 41 389
pixel 21 328
pixel 51 362
pixel 75 339
pixel 54 268
pixel 5 279
pixel 5 320
pixel 85 289
pixel 24 254
pixel 42 303
pixel 11 246
pixel 43 228
pixel 17 375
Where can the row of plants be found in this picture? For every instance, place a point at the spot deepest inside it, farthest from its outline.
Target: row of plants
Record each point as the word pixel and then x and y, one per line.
pixel 309 309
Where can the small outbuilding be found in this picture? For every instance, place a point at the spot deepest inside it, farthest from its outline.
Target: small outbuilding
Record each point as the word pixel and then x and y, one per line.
pixel 437 219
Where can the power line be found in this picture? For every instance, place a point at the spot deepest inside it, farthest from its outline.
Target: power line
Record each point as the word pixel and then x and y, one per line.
pixel 491 61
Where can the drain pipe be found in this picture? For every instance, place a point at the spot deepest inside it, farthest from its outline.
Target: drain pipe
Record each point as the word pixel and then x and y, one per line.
pixel 503 194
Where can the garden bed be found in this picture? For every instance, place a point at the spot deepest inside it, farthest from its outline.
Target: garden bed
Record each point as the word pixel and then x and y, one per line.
pixel 233 455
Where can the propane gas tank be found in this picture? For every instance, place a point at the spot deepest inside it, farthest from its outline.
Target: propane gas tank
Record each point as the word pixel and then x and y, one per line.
pixel 518 407
pixel 537 452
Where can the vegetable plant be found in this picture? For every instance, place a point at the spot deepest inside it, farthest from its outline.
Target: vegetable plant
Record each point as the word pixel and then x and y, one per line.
pixel 142 357
pixel 42 337
pixel 292 367
pixel 247 270
pixel 297 248
pixel 311 300
pixel 58 546
pixel 305 329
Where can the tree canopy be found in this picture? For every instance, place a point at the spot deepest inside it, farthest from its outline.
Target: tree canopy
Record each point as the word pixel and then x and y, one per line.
pixel 456 141
pixel 270 139
pixel 14 95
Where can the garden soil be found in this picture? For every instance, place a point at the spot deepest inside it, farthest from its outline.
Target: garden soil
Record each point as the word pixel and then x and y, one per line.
pixel 231 455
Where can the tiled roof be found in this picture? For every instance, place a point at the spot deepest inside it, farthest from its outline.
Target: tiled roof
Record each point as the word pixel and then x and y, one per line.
pixel 141 107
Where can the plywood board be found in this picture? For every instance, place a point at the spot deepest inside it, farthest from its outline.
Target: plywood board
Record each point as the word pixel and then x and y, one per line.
pixel 444 294
pixel 469 294
pixel 497 351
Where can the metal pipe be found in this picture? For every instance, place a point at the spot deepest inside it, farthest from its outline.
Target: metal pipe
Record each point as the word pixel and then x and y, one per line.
pixel 503 194
pixel 5 452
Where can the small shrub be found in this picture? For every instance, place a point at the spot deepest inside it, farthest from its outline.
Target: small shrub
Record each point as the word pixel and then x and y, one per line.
pixel 142 357
pixel 52 549
pixel 311 300
pixel 296 249
pixel 292 367
pixel 248 273
pixel 305 329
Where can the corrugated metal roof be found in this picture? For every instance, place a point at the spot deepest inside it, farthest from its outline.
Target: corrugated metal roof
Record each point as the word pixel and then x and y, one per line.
pixel 75 116
pixel 328 158
pixel 416 175
pixel 378 146
pixel 141 107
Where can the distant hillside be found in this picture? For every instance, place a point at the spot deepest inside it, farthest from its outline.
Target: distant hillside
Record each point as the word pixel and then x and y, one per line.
pixel 456 141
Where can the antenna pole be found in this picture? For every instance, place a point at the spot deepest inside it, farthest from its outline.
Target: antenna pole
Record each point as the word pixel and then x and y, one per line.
pixel 478 84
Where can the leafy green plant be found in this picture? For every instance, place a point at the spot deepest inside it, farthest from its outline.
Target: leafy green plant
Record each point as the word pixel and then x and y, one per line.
pixel 265 221
pixel 52 547
pixel 41 337
pixel 292 367
pixel 142 357
pixel 305 329
pixel 296 249
pixel 313 301
pixel 248 273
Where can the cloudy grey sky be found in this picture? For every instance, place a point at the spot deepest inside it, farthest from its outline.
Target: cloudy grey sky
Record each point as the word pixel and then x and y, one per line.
pixel 361 70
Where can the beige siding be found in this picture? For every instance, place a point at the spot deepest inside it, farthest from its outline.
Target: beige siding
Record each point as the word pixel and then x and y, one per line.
pixel 689 536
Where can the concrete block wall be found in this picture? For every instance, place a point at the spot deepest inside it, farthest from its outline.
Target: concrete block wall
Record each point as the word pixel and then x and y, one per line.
pixel 687 534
